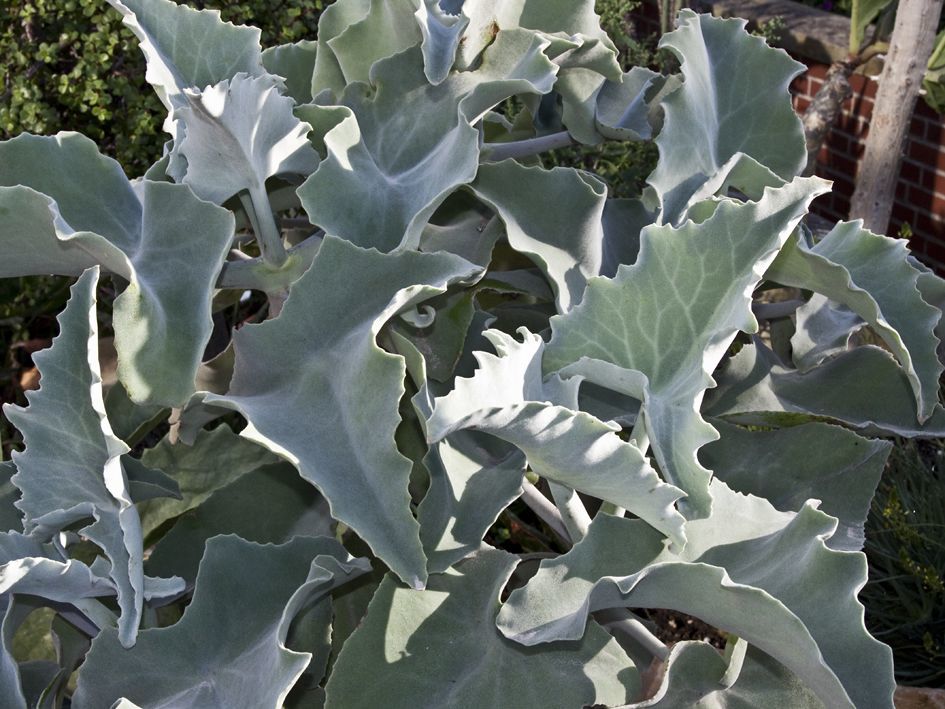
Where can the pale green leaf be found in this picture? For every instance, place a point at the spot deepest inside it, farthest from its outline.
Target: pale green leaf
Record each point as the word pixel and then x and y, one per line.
pixel 823 328
pixel 562 231
pixel 238 134
pixel 763 575
pixel 439 648
pixel 75 209
pixel 698 676
pixel 295 63
pixel 789 466
pixel 399 169
pixel 328 77
pixel 622 109
pixel 872 275
pixel 188 49
pixel 219 656
pixel 318 390
pixel 441 36
pixel 756 388
pixel 507 398
pixel 386 28
pixel 269 505
pixel 28 567
pixel 671 316
pixel 215 459
pixel 71 469
pixel 713 118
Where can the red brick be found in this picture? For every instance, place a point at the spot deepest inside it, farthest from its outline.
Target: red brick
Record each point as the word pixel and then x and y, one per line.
pixel 841 165
pixel 927 154
pixel 934 181
pixel 910 172
pixel 934 132
pixel 801 104
pixel 903 212
pixel 934 251
pixel 920 198
pixel 817 70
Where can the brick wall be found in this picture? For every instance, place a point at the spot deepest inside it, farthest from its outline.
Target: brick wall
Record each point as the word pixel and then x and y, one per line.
pixel 920 192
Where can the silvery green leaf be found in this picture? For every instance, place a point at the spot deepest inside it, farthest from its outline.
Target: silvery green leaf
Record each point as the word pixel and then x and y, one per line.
pixel 623 221
pixel 28 567
pixel 441 32
pixel 218 655
pixel 328 78
pixel 561 232
pixel 712 118
pixel 622 110
pixel 270 504
pixel 239 133
pixel 872 275
pixel 64 208
pixel 10 518
pixel 188 49
pixel 14 613
pixel 146 483
pixel 756 388
pixel 507 398
pixel 295 63
pixel 762 575
pixel 823 328
pixel 439 648
pixel 471 234
pixel 472 479
pixel 386 28
pixel 788 466
pixel 214 460
pixel 587 65
pixel 71 470
pixel 670 318
pixel 400 169
pixel 565 18
pixel 318 390
pixel 698 676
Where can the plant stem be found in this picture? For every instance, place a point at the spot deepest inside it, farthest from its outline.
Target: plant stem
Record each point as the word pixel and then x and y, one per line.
pixel 639 438
pixel 572 510
pixel 258 274
pixel 264 224
pixel 546 511
pixel 494 152
pixel 621 621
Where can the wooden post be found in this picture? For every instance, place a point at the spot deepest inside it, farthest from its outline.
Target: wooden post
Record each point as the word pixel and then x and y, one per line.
pixel 910 46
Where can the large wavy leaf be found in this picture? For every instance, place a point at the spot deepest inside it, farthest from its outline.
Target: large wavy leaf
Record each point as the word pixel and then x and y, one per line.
pixel 214 460
pixel 439 648
pixel 789 466
pixel 697 675
pixel 399 169
pixel 562 230
pixel 220 656
pixel 318 390
pixel 71 469
pixel 712 120
pixel 268 505
pixel 763 575
pixel 756 388
pixel 64 208
pixel 238 134
pixel 671 315
pixel 188 49
pixel 507 398
pixel 872 275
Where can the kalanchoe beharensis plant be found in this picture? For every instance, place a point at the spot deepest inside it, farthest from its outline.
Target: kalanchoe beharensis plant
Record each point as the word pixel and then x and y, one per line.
pixel 452 327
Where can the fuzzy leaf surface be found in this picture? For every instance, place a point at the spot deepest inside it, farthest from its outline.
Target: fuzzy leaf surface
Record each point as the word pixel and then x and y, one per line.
pixel 671 316
pixel 71 469
pixel 439 648
pixel 318 390
pixel 218 656
pixel 872 275
pixel 711 120
pixel 763 575
pixel 64 208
